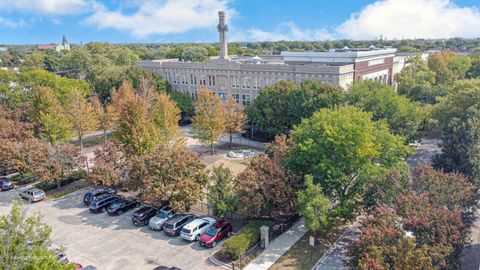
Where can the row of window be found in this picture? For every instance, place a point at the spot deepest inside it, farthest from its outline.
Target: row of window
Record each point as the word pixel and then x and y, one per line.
pixel 191 79
pixel 223 96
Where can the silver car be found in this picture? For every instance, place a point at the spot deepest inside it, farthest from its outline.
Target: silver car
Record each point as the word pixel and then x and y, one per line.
pixel 156 222
pixel 193 230
pixel 33 194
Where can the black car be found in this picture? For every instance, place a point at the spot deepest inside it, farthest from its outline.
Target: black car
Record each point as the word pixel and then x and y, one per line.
pixel 93 194
pixel 122 205
pixel 142 215
pixel 174 225
pixel 103 202
pixel 5 184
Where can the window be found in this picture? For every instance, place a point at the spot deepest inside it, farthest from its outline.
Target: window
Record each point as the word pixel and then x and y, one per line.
pixel 234 81
pixel 211 80
pixel 194 80
pixel 236 97
pixel 191 79
pixel 222 96
pixel 246 100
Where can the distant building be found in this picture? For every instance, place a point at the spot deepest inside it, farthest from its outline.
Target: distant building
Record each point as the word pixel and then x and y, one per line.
pixel 64 46
pixel 243 76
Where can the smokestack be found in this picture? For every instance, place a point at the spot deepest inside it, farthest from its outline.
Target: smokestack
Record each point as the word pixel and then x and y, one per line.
pixel 222 31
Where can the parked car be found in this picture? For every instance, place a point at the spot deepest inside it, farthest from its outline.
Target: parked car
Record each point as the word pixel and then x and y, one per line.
pixel 143 215
pixel 195 228
pixel 5 184
pixel 122 205
pixel 241 154
pixel 61 256
pixel 174 225
pixel 162 267
pixel 156 222
pixel 32 194
pixel 93 194
pixel 89 267
pixel 102 202
pixel 215 234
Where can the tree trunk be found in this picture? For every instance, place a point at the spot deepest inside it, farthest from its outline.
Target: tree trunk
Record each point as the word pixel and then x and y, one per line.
pixel 211 148
pixel 59 183
pixel 104 134
pixel 231 143
pixel 80 138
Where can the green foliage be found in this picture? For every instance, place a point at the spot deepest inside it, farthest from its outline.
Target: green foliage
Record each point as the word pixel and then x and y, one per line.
pixel 343 149
pixel 25 242
pixel 416 81
pixel 220 194
pixel 313 206
pixel 246 238
pixel 194 54
pixel 49 117
pixel 67 179
pixel 402 115
pixel 281 106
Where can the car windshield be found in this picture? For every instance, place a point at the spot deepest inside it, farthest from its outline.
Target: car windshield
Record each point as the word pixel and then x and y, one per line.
pixel 115 205
pixel 162 214
pixel 185 230
pixel 212 231
pixel 168 226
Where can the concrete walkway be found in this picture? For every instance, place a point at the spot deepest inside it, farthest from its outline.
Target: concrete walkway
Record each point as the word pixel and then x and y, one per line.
pixel 278 247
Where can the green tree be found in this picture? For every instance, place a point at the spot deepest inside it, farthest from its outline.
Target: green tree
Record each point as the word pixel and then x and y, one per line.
pixel 220 194
pixel 166 115
pixel 194 54
pixel 81 114
pixel 209 122
pixel 416 81
pixel 106 114
pixel 25 242
pixel 313 206
pixel 50 118
pixel 34 60
pixel 235 117
pixel 343 149
pixel 281 106
pixel 402 115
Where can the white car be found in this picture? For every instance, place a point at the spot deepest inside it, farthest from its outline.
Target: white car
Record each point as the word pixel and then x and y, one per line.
pixel 32 194
pixel 241 154
pixel 195 228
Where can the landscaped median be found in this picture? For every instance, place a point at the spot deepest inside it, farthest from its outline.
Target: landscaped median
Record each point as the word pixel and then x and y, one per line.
pixel 238 245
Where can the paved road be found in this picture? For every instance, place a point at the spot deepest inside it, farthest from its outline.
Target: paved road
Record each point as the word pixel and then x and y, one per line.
pixel 337 257
pixel 110 242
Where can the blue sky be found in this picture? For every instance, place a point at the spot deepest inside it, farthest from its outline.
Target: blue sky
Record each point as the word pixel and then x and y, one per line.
pixel 122 21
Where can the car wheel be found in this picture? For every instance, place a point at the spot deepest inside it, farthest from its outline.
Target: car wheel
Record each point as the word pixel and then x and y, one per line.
pixel 197 237
pixel 120 212
pixel 30 200
pixel 229 234
pixel 214 244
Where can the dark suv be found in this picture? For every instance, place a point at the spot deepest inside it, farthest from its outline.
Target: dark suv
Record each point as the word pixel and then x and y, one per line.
pixel 103 202
pixel 174 225
pixel 142 215
pixel 93 194
pixel 5 184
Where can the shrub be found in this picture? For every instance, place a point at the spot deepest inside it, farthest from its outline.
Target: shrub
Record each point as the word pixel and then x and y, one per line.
pixel 246 238
pixel 70 178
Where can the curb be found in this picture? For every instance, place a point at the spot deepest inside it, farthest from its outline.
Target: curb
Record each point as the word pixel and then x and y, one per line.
pixel 216 262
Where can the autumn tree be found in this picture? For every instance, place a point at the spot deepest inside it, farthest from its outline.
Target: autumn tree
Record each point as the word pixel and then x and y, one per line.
pixel 343 149
pixel 110 165
pixel 81 113
pixel 221 195
pixel 313 206
pixel 59 160
pixel 209 120
pixel 134 129
pixel 448 66
pixel 165 115
pixel 25 242
pixel 106 114
pixel 169 175
pixel 235 117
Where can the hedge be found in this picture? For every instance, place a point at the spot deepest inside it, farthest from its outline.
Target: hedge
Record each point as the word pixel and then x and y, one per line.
pixel 70 178
pixel 246 238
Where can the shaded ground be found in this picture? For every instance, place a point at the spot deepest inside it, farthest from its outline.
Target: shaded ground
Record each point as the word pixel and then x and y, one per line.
pixel 471 255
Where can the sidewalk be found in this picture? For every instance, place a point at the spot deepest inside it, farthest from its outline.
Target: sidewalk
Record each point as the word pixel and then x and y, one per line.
pixel 278 247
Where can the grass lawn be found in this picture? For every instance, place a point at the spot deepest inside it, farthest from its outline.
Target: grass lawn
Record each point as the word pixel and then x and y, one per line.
pixel 303 256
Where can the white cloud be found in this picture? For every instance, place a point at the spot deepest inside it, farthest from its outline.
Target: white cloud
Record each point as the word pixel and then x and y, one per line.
pixel 412 19
pixel 284 31
pixel 55 7
pixel 162 17
pixel 5 22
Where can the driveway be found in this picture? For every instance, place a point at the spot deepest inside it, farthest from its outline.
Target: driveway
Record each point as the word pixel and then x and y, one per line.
pixel 110 242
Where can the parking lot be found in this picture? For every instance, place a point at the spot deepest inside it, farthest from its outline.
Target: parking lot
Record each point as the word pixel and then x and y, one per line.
pixel 110 242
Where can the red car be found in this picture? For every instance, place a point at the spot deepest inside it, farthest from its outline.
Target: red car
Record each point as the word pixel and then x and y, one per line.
pixel 216 233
